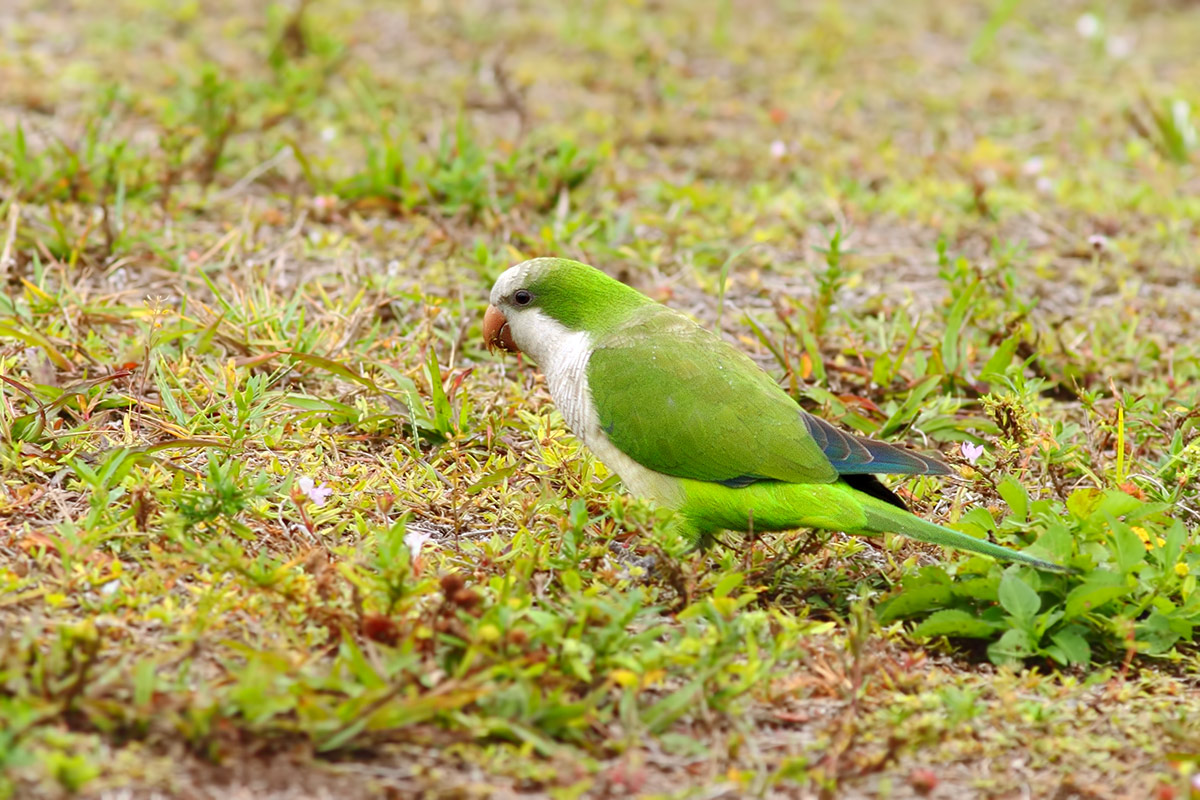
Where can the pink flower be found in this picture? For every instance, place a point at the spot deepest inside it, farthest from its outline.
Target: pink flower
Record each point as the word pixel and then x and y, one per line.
pixel 318 494
pixel 778 149
pixel 971 452
pixel 415 541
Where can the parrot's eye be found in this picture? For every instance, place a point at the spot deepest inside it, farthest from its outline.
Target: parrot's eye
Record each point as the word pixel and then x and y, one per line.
pixel 522 297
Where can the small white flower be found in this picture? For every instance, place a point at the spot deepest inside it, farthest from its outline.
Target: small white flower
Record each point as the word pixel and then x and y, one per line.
pixel 1044 185
pixel 318 494
pixel 1033 166
pixel 415 541
pixel 971 452
pixel 110 587
pixel 1119 47
pixel 778 149
pixel 1088 26
pixel 328 134
pixel 1098 242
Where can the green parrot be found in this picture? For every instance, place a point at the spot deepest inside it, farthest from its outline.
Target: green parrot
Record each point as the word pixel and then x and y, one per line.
pixel 692 424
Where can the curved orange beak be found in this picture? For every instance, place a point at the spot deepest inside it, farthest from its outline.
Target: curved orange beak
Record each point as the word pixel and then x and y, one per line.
pixel 496 332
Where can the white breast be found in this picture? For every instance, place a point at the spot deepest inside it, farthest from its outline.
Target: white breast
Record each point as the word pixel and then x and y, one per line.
pixel 565 367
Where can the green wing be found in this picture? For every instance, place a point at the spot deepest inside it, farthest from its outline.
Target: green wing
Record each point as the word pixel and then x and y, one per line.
pixel 679 400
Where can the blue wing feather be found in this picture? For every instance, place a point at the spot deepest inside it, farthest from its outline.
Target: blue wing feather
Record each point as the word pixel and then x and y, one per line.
pixel 855 455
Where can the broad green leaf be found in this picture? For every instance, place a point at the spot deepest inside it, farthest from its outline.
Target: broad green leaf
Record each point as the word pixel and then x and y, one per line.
pixel 1056 540
pixel 978 522
pixel 1098 589
pixel 986 588
pixel 1161 631
pixel 1082 502
pixel 914 601
pixel 1071 646
pixel 954 622
pixel 1117 503
pixel 1015 495
pixel 1018 598
pixel 1128 547
pixel 1012 648
pixel 1048 619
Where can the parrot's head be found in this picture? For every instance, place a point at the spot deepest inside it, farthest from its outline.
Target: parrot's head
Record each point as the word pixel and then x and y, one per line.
pixel 537 304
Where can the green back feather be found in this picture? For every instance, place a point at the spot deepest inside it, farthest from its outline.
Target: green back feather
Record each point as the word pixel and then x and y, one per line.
pixel 679 400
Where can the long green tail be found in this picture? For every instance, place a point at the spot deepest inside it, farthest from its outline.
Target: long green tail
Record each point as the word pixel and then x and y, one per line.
pixel 779 506
pixel 885 518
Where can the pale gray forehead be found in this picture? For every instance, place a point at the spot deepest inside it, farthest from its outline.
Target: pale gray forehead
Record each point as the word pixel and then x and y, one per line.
pixel 511 279
pixel 506 284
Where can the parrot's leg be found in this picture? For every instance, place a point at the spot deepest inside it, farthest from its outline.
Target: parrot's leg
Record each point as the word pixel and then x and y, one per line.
pixel 808 543
pixel 700 538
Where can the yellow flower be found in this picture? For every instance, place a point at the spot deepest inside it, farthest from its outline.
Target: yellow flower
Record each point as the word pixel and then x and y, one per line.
pixel 624 677
pixel 1181 569
pixel 1144 536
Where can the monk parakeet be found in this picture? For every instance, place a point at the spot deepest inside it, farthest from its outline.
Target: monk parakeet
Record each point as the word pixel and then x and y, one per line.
pixel 691 423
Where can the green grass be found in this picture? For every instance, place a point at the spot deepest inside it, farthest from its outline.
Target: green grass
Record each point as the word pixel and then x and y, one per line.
pixel 271 516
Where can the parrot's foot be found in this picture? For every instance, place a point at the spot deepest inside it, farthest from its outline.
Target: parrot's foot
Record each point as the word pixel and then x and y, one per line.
pixel 706 540
pixel 808 544
pixel 699 539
